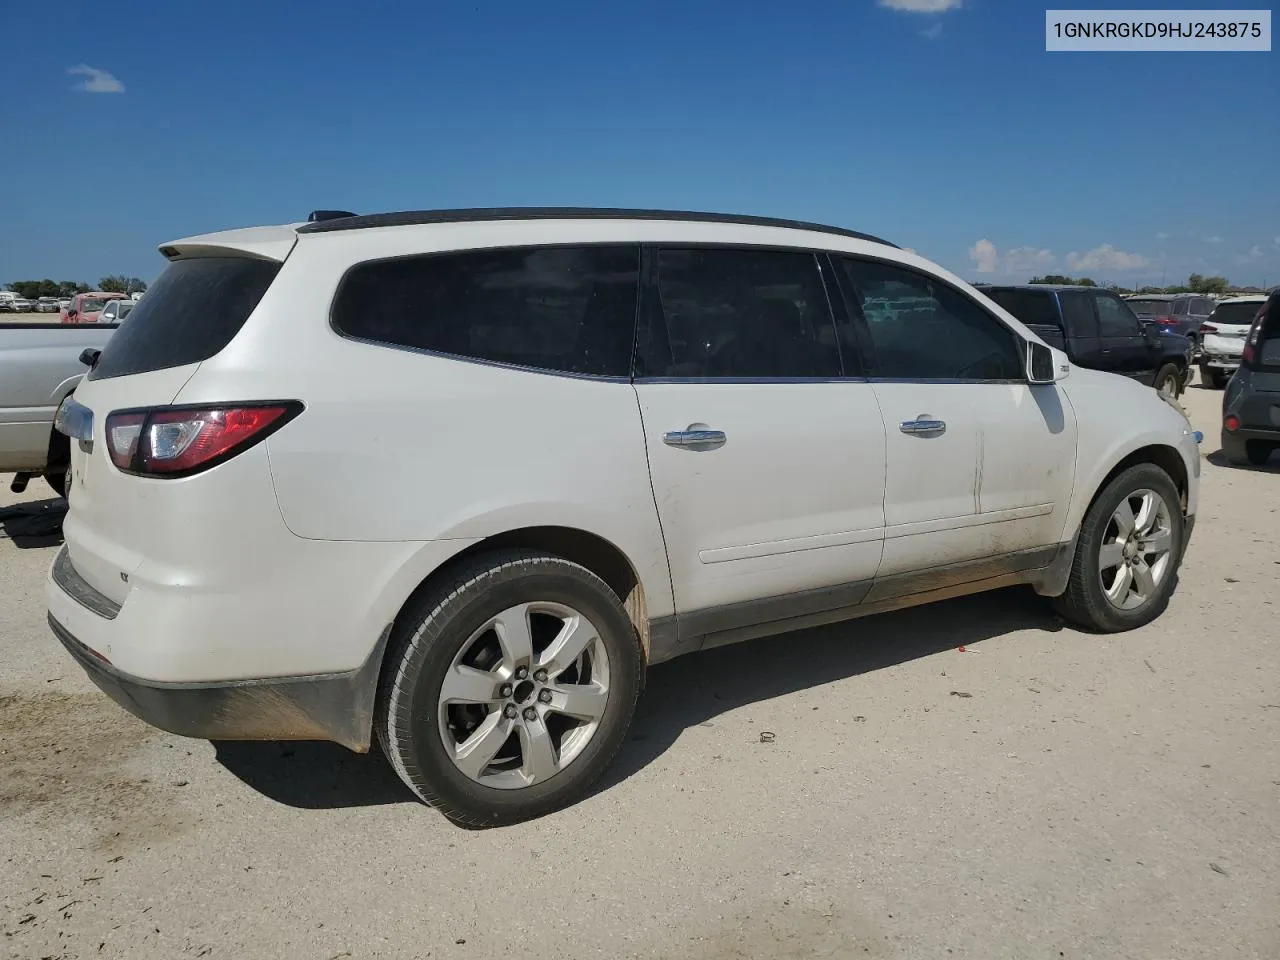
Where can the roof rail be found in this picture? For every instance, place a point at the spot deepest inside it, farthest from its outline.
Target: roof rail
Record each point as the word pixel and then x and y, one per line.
pixel 343 221
pixel 319 216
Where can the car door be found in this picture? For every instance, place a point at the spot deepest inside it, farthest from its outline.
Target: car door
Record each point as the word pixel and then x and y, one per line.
pixel 979 464
pixel 1124 346
pixel 767 461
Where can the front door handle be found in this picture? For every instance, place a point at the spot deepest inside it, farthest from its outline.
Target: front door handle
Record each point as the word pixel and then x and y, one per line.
pixel 696 435
pixel 923 424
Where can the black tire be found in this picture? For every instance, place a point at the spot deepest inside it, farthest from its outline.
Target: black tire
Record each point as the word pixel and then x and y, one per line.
pixel 58 481
pixel 1169 375
pixel 1258 452
pixel 428 635
pixel 1212 378
pixel 1084 603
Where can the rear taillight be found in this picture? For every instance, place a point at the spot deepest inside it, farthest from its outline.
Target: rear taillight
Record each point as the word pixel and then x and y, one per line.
pixel 179 441
pixel 1208 328
pixel 1231 422
pixel 1249 355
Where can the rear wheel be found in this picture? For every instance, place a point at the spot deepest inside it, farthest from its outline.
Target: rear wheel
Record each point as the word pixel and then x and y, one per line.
pixel 1258 452
pixel 1128 553
pixel 1211 377
pixel 1168 381
pixel 509 688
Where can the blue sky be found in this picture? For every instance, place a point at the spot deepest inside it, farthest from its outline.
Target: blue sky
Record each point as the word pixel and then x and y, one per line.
pixel 953 133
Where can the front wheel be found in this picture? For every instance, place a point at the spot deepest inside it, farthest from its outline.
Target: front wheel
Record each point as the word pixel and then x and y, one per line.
pixel 1168 381
pixel 1128 553
pixel 508 688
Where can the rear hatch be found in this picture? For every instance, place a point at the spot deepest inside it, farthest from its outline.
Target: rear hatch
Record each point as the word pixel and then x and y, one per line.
pixel 1224 332
pixel 192 312
pixel 1260 406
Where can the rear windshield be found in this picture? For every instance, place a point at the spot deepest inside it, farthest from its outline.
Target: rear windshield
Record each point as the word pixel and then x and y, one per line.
pixel 1150 308
pixel 1236 313
pixel 188 315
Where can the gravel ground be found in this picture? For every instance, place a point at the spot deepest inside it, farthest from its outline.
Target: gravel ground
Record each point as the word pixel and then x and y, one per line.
pixel 1043 793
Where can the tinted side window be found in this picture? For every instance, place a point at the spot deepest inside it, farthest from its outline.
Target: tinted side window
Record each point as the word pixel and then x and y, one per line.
pixel 187 316
pixel 1201 307
pixel 568 309
pixel 923 329
pixel 1077 310
pixel 1029 306
pixel 1180 307
pixel 1115 319
pixel 742 313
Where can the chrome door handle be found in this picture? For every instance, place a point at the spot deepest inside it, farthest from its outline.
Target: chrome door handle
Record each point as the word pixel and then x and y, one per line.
pixel 693 438
pixel 923 424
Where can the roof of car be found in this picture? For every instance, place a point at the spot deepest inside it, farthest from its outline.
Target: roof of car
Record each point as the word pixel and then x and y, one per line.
pixel 1251 298
pixel 480 214
pixel 1044 287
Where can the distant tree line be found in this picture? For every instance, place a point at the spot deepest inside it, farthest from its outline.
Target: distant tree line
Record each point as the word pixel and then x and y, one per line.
pixel 35 289
pixel 1196 283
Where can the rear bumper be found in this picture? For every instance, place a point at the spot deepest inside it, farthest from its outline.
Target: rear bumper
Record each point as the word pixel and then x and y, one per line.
pixel 336 707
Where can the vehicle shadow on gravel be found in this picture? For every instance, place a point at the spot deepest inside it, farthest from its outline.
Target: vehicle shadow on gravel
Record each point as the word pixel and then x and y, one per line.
pixel 36 523
pixel 313 776
pixel 694 689
pixel 680 694
pixel 1219 459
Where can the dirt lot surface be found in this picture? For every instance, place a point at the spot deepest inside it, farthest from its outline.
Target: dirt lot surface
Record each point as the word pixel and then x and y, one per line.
pixel 1042 794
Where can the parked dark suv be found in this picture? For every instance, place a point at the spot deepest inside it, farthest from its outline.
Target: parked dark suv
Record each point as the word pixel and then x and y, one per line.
pixel 1251 404
pixel 1181 313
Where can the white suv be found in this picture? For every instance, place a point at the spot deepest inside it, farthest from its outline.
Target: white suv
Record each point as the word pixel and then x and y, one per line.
pixel 457 478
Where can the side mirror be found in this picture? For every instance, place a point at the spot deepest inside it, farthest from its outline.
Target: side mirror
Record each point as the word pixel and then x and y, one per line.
pixel 89 356
pixel 1044 364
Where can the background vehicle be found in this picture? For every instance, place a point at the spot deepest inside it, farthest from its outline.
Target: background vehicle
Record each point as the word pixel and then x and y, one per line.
pixel 635 434
pixel 39 366
pixel 47 305
pixel 19 305
pixel 85 307
pixel 116 310
pixel 1097 330
pixel 1223 336
pixel 1251 404
pixel 1180 313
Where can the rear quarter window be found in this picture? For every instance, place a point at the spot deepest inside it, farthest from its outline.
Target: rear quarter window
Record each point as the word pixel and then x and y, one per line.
pixel 560 309
pixel 187 316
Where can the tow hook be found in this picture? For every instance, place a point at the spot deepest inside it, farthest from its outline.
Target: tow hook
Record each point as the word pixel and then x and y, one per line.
pixel 20 481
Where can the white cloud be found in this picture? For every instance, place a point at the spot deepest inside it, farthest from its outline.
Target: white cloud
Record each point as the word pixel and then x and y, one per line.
pixel 1162 235
pixel 1277 240
pixel 921 6
pixel 985 255
pixel 99 81
pixel 1106 257
pixel 934 32
pixel 1213 239
pixel 1028 260
pixel 1255 253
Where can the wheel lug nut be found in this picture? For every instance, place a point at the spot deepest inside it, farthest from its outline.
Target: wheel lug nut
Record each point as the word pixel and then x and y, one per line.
pixel 545 696
pixel 541 676
pixel 522 672
pixel 530 713
pixel 504 690
pixel 510 711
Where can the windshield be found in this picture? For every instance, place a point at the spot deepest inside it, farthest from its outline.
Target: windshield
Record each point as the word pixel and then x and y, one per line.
pixel 92 304
pixel 1149 308
pixel 1241 314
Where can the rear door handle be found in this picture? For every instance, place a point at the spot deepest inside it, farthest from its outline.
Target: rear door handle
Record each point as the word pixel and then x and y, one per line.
pixel 693 437
pixel 923 424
